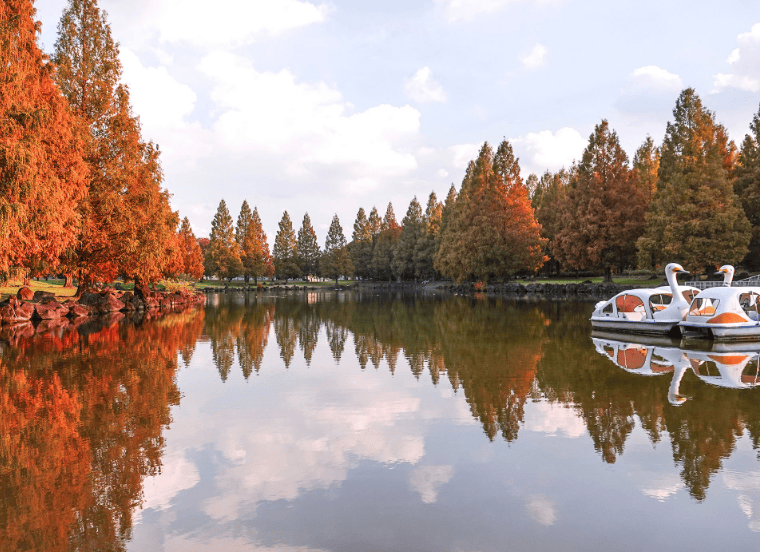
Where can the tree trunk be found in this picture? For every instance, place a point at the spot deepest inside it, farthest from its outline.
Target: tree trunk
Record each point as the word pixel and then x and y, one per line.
pixel 607 275
pixel 141 289
pixel 247 279
pixel 68 280
pixel 84 283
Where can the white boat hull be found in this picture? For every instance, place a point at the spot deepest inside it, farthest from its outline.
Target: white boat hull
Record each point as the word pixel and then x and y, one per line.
pixel 652 327
pixel 742 332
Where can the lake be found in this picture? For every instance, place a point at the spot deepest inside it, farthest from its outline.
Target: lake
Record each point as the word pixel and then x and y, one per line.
pixel 365 421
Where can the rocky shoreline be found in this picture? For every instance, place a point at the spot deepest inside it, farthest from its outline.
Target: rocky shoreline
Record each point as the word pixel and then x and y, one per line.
pixel 41 306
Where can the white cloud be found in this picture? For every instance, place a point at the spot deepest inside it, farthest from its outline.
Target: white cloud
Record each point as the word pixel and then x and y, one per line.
pixel 745 64
pixel 542 510
pixel 427 481
pixel 160 100
pixel 535 58
pixel 310 125
pixel 231 21
pixel 462 154
pixel 442 173
pixel 457 10
pixel 178 474
pixel 552 419
pixel 539 151
pixel 651 77
pixel 422 88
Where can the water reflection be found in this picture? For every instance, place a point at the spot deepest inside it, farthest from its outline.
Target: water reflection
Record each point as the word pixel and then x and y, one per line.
pixel 82 409
pixel 350 421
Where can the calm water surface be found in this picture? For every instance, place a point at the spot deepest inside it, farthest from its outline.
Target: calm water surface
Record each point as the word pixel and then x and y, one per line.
pixel 343 422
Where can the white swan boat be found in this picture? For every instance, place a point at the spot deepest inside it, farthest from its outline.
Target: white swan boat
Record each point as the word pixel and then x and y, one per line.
pixel 646 310
pixel 724 314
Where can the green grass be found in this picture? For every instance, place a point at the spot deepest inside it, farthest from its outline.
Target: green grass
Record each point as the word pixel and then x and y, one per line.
pixel 55 286
pixel 598 280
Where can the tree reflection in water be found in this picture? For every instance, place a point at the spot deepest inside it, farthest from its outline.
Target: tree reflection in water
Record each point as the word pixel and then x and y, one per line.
pixel 501 354
pixel 82 412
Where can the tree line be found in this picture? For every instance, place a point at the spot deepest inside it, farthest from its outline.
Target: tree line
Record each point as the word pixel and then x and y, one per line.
pixel 694 198
pixel 80 188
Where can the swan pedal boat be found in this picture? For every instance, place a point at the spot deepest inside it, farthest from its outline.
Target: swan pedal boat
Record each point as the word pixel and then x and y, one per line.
pixel 724 314
pixel 646 310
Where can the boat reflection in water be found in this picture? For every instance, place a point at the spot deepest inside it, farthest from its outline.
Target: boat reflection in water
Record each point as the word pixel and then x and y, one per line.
pixel 735 366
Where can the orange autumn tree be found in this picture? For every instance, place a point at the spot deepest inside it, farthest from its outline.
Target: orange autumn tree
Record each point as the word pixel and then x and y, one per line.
pixel 42 175
pixel 127 224
pixel 493 230
pixel 603 208
pixel 190 251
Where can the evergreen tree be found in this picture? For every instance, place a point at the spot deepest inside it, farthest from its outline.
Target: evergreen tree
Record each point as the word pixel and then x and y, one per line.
pixel 127 224
pixel 374 222
pixel 548 200
pixel 492 230
pixel 308 248
pixel 336 261
pixel 412 227
pixel 361 244
pixel 603 210
pixel 223 250
pixel 747 188
pixel 192 258
pixel 695 216
pixel 389 220
pixel 241 237
pixel 285 250
pixel 42 173
pixel 425 248
pixel 646 163
pixel 256 259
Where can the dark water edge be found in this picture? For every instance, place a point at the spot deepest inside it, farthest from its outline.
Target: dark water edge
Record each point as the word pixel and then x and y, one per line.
pixel 372 420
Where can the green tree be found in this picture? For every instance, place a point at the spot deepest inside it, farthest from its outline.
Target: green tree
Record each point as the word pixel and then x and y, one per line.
pixel 747 188
pixel 361 244
pixel 425 248
pixel 548 199
pixel 336 261
pixel 695 216
pixel 412 227
pixel 285 250
pixel 603 210
pixel 223 250
pixel 308 248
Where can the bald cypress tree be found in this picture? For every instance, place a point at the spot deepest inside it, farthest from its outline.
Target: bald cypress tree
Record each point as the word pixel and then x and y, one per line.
pixel 695 216
pixel 308 248
pixel 412 227
pixel 127 223
pixel 747 188
pixel 42 172
pixel 603 210
pixel 223 250
pixel 361 244
pixel 336 261
pixel 285 250
pixel 424 250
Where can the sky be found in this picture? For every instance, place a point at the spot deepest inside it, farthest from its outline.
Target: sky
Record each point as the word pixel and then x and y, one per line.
pixel 326 107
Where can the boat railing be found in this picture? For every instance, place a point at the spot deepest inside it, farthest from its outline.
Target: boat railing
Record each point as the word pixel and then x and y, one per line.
pixel 752 281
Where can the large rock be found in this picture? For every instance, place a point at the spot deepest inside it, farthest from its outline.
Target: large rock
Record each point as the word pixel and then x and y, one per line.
pixel 50 310
pixel 41 296
pixel 13 311
pixel 101 302
pixel 25 294
pixel 76 310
